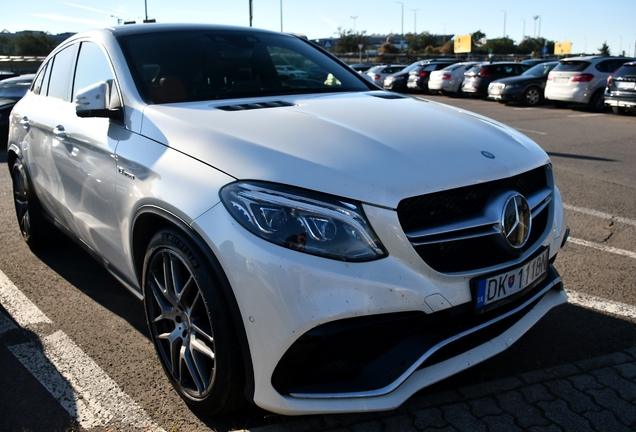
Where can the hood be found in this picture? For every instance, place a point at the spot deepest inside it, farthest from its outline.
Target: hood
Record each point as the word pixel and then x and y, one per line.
pixel 375 147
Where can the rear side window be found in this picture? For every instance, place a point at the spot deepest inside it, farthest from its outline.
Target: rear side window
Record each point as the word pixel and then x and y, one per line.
pixel 62 73
pixel 39 79
pixel 571 66
pixel 626 72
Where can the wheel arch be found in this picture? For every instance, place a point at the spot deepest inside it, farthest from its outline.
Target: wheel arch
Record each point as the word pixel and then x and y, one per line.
pixel 149 220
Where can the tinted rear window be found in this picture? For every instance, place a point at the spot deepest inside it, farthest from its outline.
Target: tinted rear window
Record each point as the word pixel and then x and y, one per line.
pixel 571 66
pixel 626 71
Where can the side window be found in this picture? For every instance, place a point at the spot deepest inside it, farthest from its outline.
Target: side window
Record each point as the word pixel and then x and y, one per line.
pixel 61 74
pixel 92 67
pixel 36 87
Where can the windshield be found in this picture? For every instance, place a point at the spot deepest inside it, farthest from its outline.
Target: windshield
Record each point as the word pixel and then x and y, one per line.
pixel 209 65
pixel 541 69
pixel 571 66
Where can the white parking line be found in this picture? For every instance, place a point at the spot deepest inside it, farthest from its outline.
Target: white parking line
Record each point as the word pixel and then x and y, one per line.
pixel 603 248
pixel 600 304
pixel 73 378
pixel 584 115
pixel 599 214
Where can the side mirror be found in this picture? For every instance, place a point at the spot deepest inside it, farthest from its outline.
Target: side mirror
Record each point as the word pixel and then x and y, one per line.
pixel 98 100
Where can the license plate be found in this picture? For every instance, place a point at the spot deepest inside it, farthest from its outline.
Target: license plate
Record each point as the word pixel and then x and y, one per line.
pixel 626 85
pixel 492 289
pixel 495 91
pixel 561 80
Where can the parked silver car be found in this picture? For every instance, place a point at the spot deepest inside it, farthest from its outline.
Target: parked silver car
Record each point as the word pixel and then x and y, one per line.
pixel 449 80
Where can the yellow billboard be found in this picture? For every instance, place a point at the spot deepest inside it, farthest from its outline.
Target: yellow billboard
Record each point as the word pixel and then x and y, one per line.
pixel 462 44
pixel 562 48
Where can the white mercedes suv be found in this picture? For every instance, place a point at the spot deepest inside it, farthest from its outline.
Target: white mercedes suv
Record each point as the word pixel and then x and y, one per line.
pixel 288 250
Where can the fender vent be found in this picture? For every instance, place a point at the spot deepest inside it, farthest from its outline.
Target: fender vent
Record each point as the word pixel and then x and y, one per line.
pixel 259 105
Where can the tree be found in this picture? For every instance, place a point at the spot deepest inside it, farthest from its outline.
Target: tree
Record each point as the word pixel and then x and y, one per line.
pixel 349 40
pixel 35 45
pixel 6 46
pixel 534 46
pixel 503 45
pixel 477 41
pixel 604 50
pixel 422 41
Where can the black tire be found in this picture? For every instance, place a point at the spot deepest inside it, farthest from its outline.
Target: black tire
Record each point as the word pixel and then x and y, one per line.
pixel 35 228
pixel 619 110
pixel 597 101
pixel 190 325
pixel 531 96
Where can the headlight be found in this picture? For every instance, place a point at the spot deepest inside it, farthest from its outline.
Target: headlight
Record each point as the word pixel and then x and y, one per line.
pixel 304 221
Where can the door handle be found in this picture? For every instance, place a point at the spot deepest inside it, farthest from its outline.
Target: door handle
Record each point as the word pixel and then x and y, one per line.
pixel 60 132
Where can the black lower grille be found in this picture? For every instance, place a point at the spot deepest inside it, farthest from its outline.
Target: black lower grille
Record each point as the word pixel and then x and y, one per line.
pixel 369 353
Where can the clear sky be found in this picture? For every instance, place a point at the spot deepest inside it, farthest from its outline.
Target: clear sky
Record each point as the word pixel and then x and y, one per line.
pixel 586 24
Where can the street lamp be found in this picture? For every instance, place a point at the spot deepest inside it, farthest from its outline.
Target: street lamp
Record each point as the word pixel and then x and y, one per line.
pixel 281 16
pixel 504 33
pixel 414 21
pixel 402 33
pixel 523 33
pixel 354 22
pixel 535 17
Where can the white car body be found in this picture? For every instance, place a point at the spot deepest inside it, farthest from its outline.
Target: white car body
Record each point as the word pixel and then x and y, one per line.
pixel 581 79
pixel 379 73
pixel 449 79
pixel 176 160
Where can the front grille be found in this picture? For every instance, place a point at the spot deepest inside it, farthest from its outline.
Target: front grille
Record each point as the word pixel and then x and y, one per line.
pixel 462 205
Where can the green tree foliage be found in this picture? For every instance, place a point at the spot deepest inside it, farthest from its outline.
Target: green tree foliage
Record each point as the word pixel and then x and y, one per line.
pixel 503 45
pixel 476 41
pixel 38 45
pixel 349 40
pixel 604 50
pixel 422 41
pixel 6 47
pixel 534 46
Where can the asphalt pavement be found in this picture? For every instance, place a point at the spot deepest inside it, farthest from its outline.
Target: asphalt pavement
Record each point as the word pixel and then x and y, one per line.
pixel 596 394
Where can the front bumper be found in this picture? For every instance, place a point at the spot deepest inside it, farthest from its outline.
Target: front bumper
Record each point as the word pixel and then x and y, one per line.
pixel 621 102
pixel 286 298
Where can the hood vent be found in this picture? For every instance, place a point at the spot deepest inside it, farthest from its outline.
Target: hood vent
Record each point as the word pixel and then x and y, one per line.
pixel 387 95
pixel 259 105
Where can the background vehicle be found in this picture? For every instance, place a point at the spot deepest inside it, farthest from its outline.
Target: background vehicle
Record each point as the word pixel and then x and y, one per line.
pixel 363 67
pixel 581 80
pixel 11 91
pixel 477 78
pixel 418 77
pixel 398 81
pixel 449 80
pixel 273 264
pixel 620 92
pixel 532 62
pixel 379 73
pixel 291 71
pixel 526 88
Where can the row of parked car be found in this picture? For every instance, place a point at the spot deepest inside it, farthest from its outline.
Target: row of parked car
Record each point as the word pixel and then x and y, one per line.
pixel 596 81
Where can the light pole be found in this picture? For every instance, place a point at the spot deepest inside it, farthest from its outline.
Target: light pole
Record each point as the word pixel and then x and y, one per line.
pixel 504 33
pixel 281 16
pixel 444 34
pixel 251 15
pixel 535 17
pixel 620 47
pixel 523 33
pixel 402 33
pixel 354 22
pixel 414 21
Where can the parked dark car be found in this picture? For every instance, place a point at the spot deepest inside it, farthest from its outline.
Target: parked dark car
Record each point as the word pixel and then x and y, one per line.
pixel 399 81
pixel 11 91
pixel 477 79
pixel 620 92
pixel 526 88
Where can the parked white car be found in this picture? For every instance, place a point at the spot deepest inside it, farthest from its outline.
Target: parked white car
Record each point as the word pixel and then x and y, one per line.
pixel 581 80
pixel 288 250
pixel 291 71
pixel 379 73
pixel 449 80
